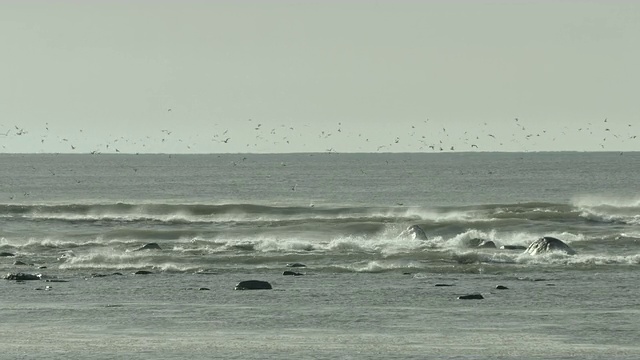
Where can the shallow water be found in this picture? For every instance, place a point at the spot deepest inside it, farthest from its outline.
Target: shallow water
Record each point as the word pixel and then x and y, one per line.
pixel 337 316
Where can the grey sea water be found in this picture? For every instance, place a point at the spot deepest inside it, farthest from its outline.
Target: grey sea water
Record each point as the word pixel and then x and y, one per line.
pixel 365 293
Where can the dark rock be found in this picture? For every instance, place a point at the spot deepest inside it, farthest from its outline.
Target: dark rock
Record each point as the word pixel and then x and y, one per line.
pixel 501 287
pixel 56 281
pixel 19 263
pixel 253 285
pixel 480 243
pixel 142 272
pixel 471 297
pixel 6 254
pixel 513 247
pixel 42 267
pixel 488 244
pixel 204 288
pixel 475 242
pixel 548 244
pixel 95 275
pixel 441 285
pixel 23 276
pixel 296 265
pixel 149 246
pixel 292 273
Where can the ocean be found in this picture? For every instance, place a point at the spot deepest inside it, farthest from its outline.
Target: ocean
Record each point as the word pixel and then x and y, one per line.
pixel 76 223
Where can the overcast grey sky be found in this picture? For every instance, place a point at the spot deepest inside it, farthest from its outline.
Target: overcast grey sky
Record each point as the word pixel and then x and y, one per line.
pixel 301 76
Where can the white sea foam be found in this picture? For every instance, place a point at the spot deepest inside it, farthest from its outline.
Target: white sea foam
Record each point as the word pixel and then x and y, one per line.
pixel 580 260
pixel 378 266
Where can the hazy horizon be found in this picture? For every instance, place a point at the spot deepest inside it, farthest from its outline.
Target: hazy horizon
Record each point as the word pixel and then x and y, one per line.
pixel 313 76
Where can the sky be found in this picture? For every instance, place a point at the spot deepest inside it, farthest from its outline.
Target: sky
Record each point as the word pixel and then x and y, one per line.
pixel 318 76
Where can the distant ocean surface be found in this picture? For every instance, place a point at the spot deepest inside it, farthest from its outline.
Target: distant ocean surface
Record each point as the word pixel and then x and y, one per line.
pixel 366 292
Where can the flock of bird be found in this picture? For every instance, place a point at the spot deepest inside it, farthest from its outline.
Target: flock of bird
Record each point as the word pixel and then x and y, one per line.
pixel 254 136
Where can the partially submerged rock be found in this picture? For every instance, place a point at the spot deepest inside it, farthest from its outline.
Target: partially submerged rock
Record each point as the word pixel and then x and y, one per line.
pixel 548 244
pixel 292 273
pixel 23 276
pixel 513 247
pixel 471 297
pixel 480 243
pixel 415 232
pixel 488 244
pixel 96 275
pixel 149 246
pixel 142 272
pixel 253 285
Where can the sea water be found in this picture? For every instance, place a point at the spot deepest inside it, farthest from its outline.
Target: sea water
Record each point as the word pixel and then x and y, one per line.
pixel 365 293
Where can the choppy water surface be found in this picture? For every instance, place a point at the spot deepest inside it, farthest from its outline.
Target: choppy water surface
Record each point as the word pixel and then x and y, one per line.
pixel 365 292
